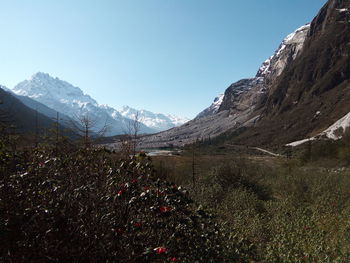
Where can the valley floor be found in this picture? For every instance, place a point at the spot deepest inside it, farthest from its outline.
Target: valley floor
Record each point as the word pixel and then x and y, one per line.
pixel 205 203
pixel 290 210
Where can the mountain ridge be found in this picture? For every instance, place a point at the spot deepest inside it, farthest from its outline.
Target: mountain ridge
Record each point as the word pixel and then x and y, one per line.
pixel 315 82
pixel 242 102
pixel 157 121
pixel 63 97
pixel 300 92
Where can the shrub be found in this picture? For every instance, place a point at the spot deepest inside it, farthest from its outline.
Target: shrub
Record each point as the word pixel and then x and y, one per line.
pixel 88 206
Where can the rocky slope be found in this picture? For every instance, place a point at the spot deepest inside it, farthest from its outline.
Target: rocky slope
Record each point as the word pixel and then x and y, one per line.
pixel 16 114
pixel 300 92
pixel 241 104
pixel 213 108
pixel 246 93
pixel 43 109
pixel 312 92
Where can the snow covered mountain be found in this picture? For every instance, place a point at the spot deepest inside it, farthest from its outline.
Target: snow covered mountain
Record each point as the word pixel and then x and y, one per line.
pixel 156 121
pixel 244 94
pixel 63 97
pixel 288 50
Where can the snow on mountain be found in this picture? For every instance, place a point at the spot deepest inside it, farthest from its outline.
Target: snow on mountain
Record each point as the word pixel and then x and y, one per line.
pixel 176 120
pixel 342 10
pixel 156 121
pixel 336 130
pixel 213 108
pixel 5 88
pixel 277 62
pixel 63 97
pixel 55 93
pixel 333 132
pixel 236 95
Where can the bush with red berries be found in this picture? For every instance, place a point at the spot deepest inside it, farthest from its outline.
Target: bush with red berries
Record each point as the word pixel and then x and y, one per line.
pixel 88 205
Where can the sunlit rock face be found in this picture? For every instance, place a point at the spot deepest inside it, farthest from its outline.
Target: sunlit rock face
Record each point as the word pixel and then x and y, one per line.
pixel 300 91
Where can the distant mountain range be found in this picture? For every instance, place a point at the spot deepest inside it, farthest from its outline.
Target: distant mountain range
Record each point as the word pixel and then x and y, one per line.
pixel 49 95
pixel 156 121
pixel 300 93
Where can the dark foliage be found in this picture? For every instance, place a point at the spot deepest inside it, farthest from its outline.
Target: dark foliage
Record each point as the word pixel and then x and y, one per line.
pixel 86 205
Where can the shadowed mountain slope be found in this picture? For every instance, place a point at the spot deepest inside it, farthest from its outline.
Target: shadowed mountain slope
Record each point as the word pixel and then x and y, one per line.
pixel 15 113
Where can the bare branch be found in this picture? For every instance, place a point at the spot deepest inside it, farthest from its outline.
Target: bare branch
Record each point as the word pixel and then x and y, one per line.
pixel 132 130
pixel 87 127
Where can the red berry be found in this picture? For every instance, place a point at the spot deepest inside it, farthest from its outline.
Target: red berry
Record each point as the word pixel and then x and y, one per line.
pixel 164 209
pixel 160 250
pixel 121 192
pixel 137 224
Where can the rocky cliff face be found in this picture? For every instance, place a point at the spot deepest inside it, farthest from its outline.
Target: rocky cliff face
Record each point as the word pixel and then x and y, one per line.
pixel 247 94
pixel 288 51
pixel 312 92
pixel 241 104
pixel 213 108
pixel 303 90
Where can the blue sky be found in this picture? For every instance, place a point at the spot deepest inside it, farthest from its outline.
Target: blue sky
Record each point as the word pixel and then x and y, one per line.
pixel 169 56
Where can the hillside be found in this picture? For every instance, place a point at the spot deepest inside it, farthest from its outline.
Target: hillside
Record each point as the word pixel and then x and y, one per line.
pixel 297 93
pixel 312 92
pixel 24 119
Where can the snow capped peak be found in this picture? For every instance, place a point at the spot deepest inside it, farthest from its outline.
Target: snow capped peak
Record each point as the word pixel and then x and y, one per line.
pixel 40 75
pixel 291 36
pixel 43 86
pixel 298 36
pixel 277 62
pixel 264 69
pixel 176 120
pixel 63 97
pixel 126 110
pixel 157 121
